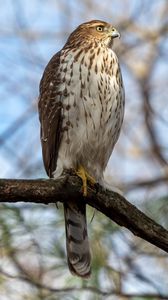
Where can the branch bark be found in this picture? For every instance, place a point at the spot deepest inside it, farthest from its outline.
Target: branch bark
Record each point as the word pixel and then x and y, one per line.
pixel 111 204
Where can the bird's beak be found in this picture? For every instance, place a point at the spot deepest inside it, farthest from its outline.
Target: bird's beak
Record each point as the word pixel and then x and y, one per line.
pixel 114 33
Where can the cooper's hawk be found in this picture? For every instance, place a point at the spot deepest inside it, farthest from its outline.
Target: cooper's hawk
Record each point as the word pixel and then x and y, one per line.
pixel 81 107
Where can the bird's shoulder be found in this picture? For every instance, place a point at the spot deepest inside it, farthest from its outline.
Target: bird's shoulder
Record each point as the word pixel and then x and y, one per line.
pixel 50 74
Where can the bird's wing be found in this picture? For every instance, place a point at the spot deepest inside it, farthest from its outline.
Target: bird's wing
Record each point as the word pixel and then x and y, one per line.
pixel 50 106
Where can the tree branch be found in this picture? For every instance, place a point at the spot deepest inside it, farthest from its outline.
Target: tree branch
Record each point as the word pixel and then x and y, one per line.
pixel 111 204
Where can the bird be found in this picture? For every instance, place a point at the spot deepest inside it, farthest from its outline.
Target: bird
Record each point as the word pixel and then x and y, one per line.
pixel 81 109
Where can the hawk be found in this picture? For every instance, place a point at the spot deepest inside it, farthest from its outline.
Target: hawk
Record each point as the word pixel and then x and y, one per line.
pixel 81 108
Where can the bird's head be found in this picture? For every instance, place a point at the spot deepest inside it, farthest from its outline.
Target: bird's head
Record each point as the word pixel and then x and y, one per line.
pixel 98 31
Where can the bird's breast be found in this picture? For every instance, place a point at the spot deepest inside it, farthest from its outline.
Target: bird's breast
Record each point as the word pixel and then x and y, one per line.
pixel 92 102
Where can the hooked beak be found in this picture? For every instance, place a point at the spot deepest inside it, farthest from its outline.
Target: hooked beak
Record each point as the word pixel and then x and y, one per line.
pixel 114 33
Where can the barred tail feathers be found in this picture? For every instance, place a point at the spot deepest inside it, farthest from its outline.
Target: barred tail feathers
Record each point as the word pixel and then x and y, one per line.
pixel 77 244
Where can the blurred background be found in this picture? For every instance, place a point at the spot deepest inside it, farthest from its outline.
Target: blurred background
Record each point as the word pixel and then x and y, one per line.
pixel 32 239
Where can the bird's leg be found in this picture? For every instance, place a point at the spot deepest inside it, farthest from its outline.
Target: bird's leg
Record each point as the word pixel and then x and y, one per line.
pixel 90 178
pixel 83 174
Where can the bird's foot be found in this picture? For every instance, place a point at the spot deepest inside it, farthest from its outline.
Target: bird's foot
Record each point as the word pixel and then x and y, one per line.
pixel 83 174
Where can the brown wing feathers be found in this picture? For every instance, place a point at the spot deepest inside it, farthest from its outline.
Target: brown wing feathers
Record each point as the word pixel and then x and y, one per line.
pixel 50 114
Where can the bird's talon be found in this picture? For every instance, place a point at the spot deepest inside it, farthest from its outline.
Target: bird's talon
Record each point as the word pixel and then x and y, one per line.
pixel 91 180
pixel 85 177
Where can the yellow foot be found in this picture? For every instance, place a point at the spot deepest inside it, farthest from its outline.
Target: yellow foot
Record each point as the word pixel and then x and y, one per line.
pixel 85 177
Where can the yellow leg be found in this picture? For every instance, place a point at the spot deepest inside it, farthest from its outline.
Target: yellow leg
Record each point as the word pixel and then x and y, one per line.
pixel 90 178
pixel 85 177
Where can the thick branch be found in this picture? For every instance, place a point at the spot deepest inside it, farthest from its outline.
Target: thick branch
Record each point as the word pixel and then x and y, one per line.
pixel 111 204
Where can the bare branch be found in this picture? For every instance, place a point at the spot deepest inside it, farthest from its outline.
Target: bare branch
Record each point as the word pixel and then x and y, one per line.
pixel 145 183
pixel 111 204
pixel 149 122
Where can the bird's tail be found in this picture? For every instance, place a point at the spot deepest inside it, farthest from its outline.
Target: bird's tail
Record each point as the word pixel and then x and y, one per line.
pixel 77 244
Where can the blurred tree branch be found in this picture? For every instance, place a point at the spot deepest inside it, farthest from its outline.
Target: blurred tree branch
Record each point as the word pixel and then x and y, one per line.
pixel 111 204
pixel 149 121
pixel 92 289
pixel 145 183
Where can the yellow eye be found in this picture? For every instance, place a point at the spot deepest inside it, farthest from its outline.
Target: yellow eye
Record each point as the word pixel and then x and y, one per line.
pixel 99 28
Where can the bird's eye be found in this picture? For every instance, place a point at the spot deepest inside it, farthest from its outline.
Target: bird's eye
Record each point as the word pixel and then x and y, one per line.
pixel 99 28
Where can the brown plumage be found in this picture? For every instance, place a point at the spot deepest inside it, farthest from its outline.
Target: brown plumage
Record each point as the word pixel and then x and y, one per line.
pixel 81 107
